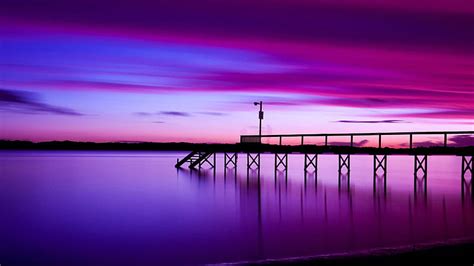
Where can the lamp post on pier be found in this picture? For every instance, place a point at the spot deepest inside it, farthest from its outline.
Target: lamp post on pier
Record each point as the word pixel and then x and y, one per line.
pixel 260 118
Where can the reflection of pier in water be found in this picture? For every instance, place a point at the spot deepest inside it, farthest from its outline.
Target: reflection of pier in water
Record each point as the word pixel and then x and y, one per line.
pixel 337 213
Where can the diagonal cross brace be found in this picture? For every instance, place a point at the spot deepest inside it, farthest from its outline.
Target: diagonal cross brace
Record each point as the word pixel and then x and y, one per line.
pixel 467 166
pixel 205 159
pixel 421 164
pixel 380 163
pixel 344 161
pixel 253 160
pixel 230 159
pixel 281 160
pixel 310 161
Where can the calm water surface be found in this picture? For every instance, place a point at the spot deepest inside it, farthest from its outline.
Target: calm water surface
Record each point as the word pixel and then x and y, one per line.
pixel 135 208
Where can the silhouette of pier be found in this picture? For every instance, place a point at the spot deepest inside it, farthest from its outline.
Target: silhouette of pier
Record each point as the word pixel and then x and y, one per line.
pixel 252 146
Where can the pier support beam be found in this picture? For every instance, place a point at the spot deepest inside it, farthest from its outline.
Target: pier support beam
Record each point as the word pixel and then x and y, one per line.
pixel 205 160
pixel 230 159
pixel 344 162
pixel 467 167
pixel 420 182
pixel 467 176
pixel 253 160
pixel 421 163
pixel 281 160
pixel 310 161
pixel 380 163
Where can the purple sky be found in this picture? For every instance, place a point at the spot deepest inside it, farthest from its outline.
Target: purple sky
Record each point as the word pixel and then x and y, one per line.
pixel 190 70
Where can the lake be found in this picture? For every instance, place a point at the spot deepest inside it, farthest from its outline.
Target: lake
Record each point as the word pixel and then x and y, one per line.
pixel 135 208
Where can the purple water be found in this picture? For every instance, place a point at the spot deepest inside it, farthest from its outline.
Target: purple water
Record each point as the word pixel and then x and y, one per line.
pixel 135 208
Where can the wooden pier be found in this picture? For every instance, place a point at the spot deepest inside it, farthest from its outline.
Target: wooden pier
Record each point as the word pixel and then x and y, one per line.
pixel 252 146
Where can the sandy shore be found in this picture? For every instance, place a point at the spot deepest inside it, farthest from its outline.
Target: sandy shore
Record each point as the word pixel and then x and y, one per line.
pixel 454 252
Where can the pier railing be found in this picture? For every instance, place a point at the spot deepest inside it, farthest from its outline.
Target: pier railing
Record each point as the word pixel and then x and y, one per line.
pixel 281 137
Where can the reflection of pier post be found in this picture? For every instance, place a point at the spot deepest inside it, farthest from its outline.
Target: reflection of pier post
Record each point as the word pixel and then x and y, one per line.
pixel 379 205
pixel 467 185
pixel 344 162
pixel 251 209
pixel 253 160
pixel 420 183
pixel 281 160
pixel 380 162
pixel 310 161
pixel 466 190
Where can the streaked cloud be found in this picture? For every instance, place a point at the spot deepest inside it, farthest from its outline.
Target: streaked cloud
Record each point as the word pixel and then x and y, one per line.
pixel 212 113
pixel 175 113
pixel 346 143
pixel 371 121
pixel 392 23
pixel 27 102
pixel 143 114
pixel 462 140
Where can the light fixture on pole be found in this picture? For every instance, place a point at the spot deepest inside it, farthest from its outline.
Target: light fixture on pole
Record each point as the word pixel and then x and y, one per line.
pixel 260 118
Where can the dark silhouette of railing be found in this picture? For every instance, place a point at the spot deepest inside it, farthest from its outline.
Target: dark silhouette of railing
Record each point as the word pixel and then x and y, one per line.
pixel 280 137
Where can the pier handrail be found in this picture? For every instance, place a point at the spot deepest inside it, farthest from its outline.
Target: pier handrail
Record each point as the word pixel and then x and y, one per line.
pixel 257 138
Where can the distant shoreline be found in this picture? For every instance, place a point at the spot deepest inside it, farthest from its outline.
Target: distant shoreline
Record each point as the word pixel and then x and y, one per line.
pixel 125 146
pixel 236 147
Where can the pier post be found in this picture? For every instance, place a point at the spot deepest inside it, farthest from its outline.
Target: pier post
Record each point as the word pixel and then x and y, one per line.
pixel 380 162
pixel 421 163
pixel 206 159
pixel 253 160
pixel 467 167
pixel 200 162
pixel 214 164
pixel 310 161
pixel 230 159
pixel 281 160
pixel 344 162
